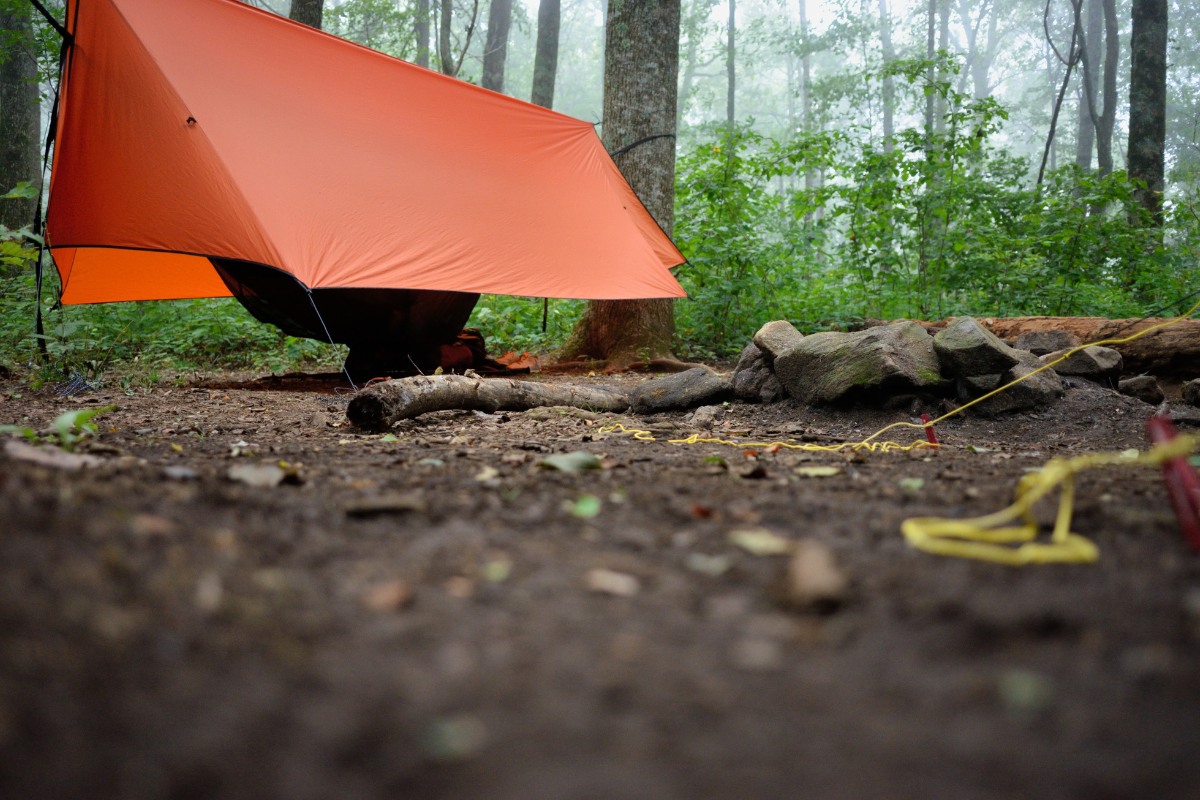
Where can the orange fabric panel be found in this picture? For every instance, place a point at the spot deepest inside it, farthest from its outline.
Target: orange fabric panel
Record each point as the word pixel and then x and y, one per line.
pixel 144 275
pixel 339 165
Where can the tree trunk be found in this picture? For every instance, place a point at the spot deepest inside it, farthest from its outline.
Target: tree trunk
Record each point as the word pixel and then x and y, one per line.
pixel 421 32
pixel 448 62
pixel 889 82
pixel 1108 115
pixel 641 73
pixel 495 51
pixel 1148 103
pixel 545 60
pixel 308 12
pixel 20 114
pixel 1085 137
pixel 731 68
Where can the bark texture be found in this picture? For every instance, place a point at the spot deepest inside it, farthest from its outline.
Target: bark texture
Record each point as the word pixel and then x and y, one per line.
pixel 421 32
pixel 641 73
pixel 495 52
pixel 545 60
pixel 378 407
pixel 308 12
pixel 1148 103
pixel 20 118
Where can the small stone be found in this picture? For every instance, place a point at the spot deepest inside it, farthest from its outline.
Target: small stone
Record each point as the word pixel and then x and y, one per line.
pixel 1042 342
pixel 1039 390
pixel 813 579
pixel 706 416
pixel 1191 392
pixel 1091 362
pixel 1142 387
pixel 753 379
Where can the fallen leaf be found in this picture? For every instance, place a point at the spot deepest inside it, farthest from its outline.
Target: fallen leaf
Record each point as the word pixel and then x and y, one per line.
pixel 263 476
pixel 487 474
pixel 817 472
pixel 388 596
pixel 586 506
pixel 389 437
pixel 497 570
pixel 912 485
pixel 760 541
pixel 607 581
pixel 576 461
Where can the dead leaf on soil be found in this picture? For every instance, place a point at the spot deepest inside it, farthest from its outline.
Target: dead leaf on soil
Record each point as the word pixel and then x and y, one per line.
pixel 388 596
pixel 760 541
pixel 486 474
pixel 817 472
pixel 586 506
pixel 713 566
pixel 263 476
pixel 607 581
pixel 576 461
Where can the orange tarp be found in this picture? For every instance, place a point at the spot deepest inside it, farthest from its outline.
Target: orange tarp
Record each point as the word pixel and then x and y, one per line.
pixel 196 128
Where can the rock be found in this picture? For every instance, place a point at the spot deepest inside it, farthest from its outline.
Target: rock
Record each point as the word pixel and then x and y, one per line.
pixel 1040 390
pixel 965 348
pixel 1142 387
pixel 1191 392
pixel 753 379
pixel 707 416
pixel 694 387
pixel 775 338
pixel 813 579
pixel 824 367
pixel 1092 362
pixel 1048 341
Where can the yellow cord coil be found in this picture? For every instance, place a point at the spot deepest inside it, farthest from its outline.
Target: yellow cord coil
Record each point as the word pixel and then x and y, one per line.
pixel 992 537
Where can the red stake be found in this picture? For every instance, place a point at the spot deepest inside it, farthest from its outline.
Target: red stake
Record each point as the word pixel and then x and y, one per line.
pixel 1183 487
pixel 929 434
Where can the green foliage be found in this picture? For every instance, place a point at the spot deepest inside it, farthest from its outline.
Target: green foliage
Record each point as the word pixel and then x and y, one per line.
pixel 826 230
pixel 70 428
pixel 515 323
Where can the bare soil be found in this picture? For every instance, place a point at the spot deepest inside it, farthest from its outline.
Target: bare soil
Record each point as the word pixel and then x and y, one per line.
pixel 416 616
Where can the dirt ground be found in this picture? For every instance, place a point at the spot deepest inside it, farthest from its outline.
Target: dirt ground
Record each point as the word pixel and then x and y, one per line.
pixel 435 614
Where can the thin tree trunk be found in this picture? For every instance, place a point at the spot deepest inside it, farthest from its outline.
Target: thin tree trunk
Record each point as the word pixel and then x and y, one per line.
pixel 308 12
pixel 641 74
pixel 731 68
pixel 495 51
pixel 1085 138
pixel 1148 103
pixel 20 115
pixel 421 32
pixel 889 83
pixel 545 62
pixel 1108 114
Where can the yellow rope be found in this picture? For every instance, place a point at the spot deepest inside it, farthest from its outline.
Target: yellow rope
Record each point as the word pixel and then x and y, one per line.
pixel 988 538
pixel 991 537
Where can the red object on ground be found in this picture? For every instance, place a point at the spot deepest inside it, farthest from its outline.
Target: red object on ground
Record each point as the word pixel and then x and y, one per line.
pixel 929 434
pixel 1183 487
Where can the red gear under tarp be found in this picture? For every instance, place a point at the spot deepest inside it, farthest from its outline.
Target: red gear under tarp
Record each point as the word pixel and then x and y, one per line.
pixel 197 128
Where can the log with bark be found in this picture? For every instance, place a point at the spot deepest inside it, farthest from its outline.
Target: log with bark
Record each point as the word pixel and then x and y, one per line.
pixel 378 407
pixel 1170 352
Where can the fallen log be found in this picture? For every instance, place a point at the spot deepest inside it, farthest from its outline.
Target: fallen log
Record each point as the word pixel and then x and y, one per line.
pixel 1169 352
pixel 379 406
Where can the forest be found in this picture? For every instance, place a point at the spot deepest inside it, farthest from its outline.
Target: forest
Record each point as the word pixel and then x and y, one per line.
pixel 833 163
